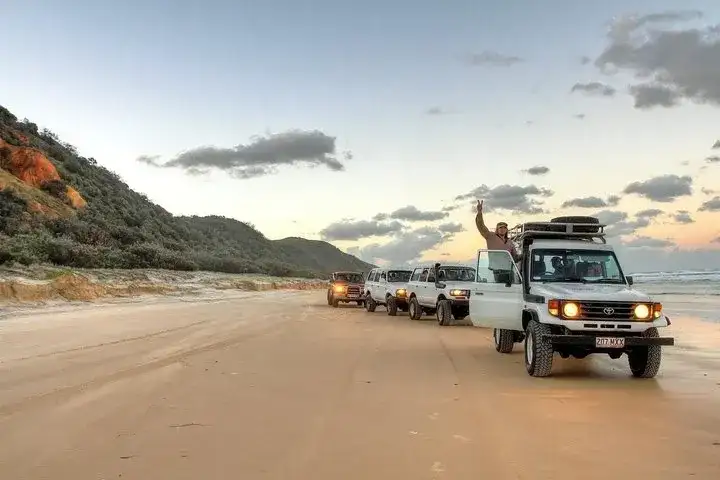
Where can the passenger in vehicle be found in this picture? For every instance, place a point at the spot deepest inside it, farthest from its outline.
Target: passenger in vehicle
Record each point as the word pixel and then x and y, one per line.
pixel 497 240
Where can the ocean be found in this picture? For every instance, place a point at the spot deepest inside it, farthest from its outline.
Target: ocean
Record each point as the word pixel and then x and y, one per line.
pixel 685 294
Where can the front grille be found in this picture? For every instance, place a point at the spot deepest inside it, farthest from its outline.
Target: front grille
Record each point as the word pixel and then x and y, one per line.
pixel 622 311
pixel 353 290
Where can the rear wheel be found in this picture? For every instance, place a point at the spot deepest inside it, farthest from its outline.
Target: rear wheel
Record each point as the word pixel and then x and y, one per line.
pixel 538 353
pixel 645 361
pixel 392 307
pixel 443 313
pixel 504 340
pixel 414 309
pixel 370 304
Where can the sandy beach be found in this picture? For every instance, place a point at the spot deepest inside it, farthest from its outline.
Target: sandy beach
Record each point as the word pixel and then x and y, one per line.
pixel 277 385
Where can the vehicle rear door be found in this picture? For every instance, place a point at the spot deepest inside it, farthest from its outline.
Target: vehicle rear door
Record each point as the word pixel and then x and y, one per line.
pixel 496 299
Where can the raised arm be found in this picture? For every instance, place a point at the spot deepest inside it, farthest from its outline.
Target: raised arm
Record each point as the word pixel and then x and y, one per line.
pixel 479 222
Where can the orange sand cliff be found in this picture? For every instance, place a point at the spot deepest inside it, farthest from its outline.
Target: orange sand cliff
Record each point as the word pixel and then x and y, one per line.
pixel 33 168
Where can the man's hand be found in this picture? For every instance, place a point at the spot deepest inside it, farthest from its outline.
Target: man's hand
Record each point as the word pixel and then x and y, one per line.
pixel 480 205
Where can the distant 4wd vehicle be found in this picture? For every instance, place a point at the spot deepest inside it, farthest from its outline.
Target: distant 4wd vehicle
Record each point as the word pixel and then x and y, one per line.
pixel 440 290
pixel 346 287
pixel 568 295
pixel 388 287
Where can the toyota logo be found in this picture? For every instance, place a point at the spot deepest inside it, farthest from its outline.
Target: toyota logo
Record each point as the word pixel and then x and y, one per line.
pixel 608 311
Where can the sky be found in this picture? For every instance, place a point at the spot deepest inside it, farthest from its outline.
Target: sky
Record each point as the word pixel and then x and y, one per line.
pixel 377 125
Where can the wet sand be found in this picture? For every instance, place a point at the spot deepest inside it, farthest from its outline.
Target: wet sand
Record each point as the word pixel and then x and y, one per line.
pixel 278 385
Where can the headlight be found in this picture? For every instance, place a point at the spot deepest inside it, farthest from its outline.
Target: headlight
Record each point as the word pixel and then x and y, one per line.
pixel 400 292
pixel 641 312
pixel 460 293
pixel 571 309
pixel 339 288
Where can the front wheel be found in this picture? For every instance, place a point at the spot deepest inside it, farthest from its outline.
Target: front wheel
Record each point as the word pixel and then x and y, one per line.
pixel 538 352
pixel 645 361
pixel 414 309
pixel 443 313
pixel 392 307
pixel 370 304
pixel 330 297
pixel 504 340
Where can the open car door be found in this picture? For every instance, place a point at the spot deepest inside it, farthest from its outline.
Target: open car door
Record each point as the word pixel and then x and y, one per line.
pixel 496 299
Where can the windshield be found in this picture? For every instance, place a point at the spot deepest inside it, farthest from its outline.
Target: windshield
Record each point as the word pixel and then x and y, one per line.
pixel 456 274
pixel 399 275
pixel 584 266
pixel 349 277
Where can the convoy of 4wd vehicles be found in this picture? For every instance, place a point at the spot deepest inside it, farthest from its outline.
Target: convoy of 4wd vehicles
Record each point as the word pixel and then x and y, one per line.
pixel 567 294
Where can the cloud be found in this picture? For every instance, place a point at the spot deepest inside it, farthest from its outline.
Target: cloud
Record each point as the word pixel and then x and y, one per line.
pixel 713 159
pixel 716 145
pixel 594 88
pixel 584 202
pixel 355 230
pixel 437 111
pixel 618 223
pixel 715 240
pixel 613 200
pixel 708 191
pixel 649 96
pixel 650 259
pixel 537 170
pixel 669 65
pixel 579 116
pixel 510 197
pixel 664 188
pixel 683 217
pixel 451 227
pixel 412 214
pixel 584 60
pixel 712 205
pixel 493 59
pixel 405 247
pixel 648 242
pixel 260 157
pixel 649 213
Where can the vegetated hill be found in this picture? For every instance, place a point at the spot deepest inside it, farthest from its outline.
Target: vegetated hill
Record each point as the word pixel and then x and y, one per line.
pixel 59 207
pixel 319 255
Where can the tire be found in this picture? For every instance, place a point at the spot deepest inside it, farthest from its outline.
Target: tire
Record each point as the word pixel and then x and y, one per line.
pixel 443 313
pixel 391 305
pixel 645 361
pixel 415 310
pixel 330 297
pixel 370 304
pixel 335 303
pixel 579 219
pixel 504 340
pixel 538 354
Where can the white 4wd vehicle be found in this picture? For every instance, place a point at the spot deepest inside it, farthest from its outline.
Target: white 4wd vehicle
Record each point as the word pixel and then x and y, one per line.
pixel 388 287
pixel 568 296
pixel 442 290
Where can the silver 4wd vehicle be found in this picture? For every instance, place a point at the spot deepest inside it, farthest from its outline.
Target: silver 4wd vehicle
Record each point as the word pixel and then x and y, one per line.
pixel 345 287
pixel 388 287
pixel 440 290
pixel 569 295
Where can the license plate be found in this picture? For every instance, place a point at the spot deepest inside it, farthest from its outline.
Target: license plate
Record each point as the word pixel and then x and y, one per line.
pixel 610 342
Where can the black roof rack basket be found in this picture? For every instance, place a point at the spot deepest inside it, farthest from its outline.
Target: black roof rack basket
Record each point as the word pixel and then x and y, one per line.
pixel 588 232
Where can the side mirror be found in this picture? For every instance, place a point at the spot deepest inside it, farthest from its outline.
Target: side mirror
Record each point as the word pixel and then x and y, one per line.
pixel 508 284
pixel 440 284
pixel 629 279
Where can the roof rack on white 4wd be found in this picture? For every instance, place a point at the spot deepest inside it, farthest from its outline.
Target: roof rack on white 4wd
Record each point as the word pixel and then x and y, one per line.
pixel 440 290
pixel 567 295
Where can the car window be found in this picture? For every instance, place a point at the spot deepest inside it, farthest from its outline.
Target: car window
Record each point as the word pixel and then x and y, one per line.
pixel 416 275
pixel 424 275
